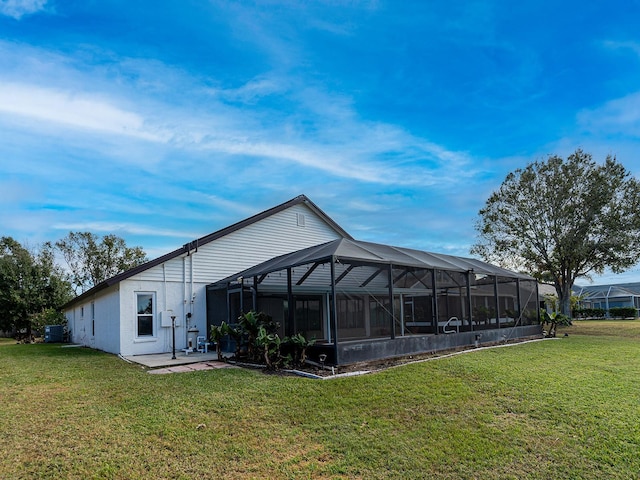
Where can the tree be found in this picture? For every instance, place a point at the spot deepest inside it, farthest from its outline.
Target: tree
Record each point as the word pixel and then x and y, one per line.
pixel 563 219
pixel 92 260
pixel 31 285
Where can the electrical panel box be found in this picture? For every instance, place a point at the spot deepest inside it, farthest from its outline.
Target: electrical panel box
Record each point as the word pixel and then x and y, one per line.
pixel 165 319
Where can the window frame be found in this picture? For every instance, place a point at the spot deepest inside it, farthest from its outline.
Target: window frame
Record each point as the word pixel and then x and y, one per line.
pixel 136 326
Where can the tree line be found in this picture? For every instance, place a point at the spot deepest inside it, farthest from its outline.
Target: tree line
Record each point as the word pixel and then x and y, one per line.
pixel 34 284
pixel 557 220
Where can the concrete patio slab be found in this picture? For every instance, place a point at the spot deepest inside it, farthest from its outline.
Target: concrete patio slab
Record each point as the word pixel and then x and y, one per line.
pixel 193 367
pixel 158 360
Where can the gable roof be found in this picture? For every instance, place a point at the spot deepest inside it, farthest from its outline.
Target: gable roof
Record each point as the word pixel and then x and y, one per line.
pixel 193 245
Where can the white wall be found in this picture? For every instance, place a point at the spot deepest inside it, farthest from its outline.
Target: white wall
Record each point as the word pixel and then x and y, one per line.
pixel 107 319
pixel 180 283
pixel 103 320
pixel 168 296
pixel 249 246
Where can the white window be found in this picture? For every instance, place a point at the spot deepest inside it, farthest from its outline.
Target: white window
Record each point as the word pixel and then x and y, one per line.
pixel 145 317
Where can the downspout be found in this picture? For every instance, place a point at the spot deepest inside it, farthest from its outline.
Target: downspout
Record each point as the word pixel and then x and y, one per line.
pixel 184 289
pixel 192 295
pixel 164 301
pixel 164 286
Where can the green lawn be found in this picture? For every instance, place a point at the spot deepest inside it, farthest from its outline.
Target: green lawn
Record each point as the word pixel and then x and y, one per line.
pixel 565 408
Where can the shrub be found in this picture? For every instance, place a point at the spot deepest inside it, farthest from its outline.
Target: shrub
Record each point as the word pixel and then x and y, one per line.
pixel 297 346
pixel 257 341
pixel 623 312
pixel 589 313
pixel 553 319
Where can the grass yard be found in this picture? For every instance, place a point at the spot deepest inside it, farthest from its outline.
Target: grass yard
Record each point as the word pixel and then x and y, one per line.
pixel 559 409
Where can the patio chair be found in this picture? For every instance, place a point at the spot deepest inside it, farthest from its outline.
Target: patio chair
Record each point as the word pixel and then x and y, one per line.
pixel 202 345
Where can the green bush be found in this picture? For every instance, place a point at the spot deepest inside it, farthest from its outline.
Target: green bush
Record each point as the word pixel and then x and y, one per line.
pixel 553 319
pixel 257 341
pixel 589 313
pixel 623 312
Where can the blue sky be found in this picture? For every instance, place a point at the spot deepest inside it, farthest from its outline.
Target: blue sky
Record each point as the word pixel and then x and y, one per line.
pixel 164 121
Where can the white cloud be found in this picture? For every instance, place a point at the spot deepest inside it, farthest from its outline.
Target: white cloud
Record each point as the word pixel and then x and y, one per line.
pixel 252 90
pixel 620 116
pixel 225 205
pixel 122 228
pixel 19 8
pixel 321 130
pixel 76 110
pixel 629 45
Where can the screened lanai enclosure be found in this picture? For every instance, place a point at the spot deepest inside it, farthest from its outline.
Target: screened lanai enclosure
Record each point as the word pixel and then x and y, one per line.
pixel 364 301
pixel 609 296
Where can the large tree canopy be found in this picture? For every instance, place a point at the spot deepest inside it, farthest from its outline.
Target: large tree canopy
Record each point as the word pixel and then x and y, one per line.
pixel 92 260
pixel 563 219
pixel 31 285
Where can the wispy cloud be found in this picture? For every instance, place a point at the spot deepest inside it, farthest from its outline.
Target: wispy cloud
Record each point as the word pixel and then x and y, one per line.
pixel 19 8
pixel 632 46
pixel 123 228
pixel 397 118
pixel 339 143
pixel 620 117
pixel 69 108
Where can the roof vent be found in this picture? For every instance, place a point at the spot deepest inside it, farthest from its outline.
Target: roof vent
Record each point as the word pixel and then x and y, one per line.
pixel 301 219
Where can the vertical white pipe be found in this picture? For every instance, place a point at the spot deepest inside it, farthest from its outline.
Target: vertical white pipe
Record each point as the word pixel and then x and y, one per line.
pixel 191 275
pixel 184 289
pixel 164 286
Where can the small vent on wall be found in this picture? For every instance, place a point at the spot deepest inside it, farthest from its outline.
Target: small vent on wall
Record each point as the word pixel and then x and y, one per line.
pixel 301 219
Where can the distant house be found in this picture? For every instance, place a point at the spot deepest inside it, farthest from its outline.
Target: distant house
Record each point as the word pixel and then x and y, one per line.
pixel 609 296
pixel 291 262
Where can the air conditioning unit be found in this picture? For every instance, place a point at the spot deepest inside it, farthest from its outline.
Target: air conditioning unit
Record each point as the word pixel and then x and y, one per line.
pixel 54 333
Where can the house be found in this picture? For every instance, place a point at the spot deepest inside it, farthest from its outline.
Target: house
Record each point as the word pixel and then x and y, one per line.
pixel 291 261
pixel 609 296
pixel 130 314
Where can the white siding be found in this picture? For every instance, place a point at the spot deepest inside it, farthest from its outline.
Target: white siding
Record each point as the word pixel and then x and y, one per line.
pixel 179 284
pixel 276 235
pixel 172 300
pixel 103 320
pixel 107 318
pixel 253 244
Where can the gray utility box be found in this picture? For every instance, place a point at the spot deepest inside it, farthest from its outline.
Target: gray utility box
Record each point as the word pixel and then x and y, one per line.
pixel 53 333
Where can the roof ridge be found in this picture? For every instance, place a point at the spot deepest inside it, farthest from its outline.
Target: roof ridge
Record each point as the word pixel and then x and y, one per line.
pixel 194 244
